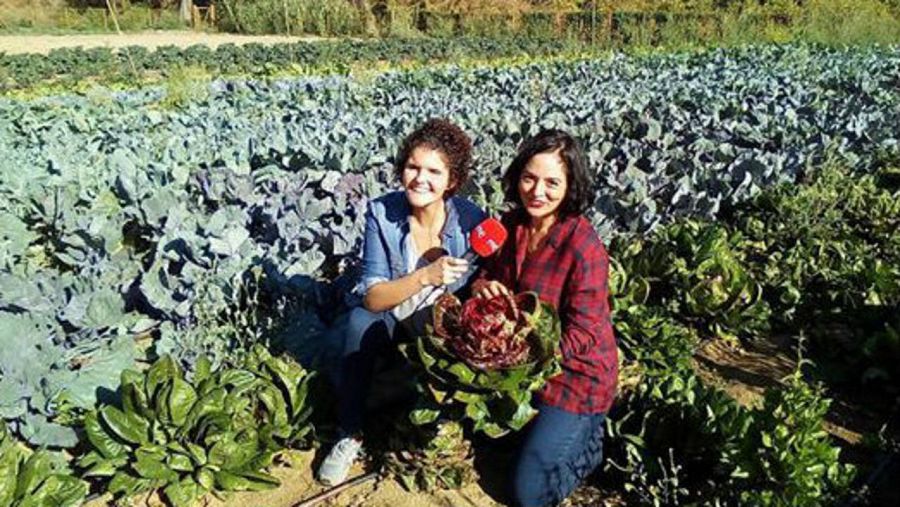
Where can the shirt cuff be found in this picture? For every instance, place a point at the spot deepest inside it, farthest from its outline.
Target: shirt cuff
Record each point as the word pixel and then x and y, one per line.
pixel 367 283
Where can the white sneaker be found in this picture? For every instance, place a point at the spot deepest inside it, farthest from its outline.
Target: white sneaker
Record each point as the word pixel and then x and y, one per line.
pixel 336 465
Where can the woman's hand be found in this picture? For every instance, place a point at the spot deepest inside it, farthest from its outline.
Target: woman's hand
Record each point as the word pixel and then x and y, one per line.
pixel 490 288
pixel 444 271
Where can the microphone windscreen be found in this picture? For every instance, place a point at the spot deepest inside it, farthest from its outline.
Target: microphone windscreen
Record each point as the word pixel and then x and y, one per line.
pixel 487 237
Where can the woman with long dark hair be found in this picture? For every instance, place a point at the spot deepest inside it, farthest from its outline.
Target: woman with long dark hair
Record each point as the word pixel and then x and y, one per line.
pixel 553 250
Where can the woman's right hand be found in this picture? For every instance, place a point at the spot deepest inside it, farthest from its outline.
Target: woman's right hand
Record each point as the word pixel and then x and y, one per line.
pixel 444 271
pixel 490 288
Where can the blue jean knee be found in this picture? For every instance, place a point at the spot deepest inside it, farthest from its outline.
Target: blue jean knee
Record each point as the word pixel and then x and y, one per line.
pixel 560 450
pixel 359 322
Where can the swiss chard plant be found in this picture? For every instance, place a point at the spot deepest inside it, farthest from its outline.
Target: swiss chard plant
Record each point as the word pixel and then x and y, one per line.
pixel 32 479
pixel 483 360
pixel 216 431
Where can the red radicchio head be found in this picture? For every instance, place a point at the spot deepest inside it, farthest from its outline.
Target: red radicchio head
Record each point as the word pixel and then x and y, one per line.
pixel 486 333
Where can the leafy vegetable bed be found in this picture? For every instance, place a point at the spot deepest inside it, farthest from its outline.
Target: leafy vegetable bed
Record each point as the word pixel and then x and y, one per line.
pixel 70 65
pixel 129 230
pixel 120 219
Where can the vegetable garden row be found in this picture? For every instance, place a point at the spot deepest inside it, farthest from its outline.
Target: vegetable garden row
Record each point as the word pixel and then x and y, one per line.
pixel 71 65
pixel 134 235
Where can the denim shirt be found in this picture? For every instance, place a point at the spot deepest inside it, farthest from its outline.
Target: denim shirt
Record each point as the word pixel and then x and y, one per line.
pixel 387 226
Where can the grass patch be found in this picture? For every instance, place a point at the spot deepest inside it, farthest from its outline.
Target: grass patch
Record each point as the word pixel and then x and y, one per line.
pixel 184 85
pixel 56 17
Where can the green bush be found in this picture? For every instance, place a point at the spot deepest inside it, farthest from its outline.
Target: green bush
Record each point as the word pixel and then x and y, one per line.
pixel 786 458
pixel 828 256
pixel 675 440
pixel 696 271
pixel 840 22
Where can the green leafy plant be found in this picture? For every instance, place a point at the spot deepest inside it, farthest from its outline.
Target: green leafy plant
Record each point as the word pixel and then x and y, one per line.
pixel 35 478
pixel 677 440
pixel 828 256
pixel 214 432
pixel 483 360
pixel 431 457
pixel 697 272
pixel 786 458
pixel 670 433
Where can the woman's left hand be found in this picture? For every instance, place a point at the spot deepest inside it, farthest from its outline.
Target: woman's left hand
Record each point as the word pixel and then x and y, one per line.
pixel 489 288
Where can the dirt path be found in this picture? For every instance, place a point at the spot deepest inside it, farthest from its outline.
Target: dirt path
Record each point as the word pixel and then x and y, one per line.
pixel 13 44
pixel 298 484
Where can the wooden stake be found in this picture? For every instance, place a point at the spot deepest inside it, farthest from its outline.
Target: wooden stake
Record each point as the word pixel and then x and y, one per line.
pixel 112 12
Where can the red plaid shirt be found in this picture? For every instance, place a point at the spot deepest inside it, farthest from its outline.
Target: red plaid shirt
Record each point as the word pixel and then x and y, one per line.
pixel 569 271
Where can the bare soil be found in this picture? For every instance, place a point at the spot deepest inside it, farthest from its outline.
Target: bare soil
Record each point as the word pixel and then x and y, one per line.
pixel 298 485
pixel 14 44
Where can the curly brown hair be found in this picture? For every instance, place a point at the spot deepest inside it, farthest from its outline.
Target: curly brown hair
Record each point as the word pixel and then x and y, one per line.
pixel 444 136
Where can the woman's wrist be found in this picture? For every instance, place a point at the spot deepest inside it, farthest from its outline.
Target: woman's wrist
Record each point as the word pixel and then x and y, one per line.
pixel 421 277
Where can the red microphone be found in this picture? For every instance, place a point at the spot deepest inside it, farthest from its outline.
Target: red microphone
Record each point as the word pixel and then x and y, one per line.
pixel 486 238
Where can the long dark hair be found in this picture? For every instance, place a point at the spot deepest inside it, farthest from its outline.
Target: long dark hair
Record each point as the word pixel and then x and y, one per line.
pixel 579 192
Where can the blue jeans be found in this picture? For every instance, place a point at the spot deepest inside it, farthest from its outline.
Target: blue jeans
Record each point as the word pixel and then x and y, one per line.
pixel 560 450
pixel 367 336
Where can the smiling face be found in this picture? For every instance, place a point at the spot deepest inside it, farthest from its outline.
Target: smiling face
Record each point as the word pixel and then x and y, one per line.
pixel 543 185
pixel 425 177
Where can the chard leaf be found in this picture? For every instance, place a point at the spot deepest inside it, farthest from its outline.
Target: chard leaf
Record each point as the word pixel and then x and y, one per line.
pixel 131 428
pixel 57 491
pixel 151 464
pixel 123 484
pixel 245 482
pixel 108 446
pixel 180 401
pixel 206 478
pixel 163 371
pixel 179 462
pixel 183 493
pixel 35 469
pixel 9 471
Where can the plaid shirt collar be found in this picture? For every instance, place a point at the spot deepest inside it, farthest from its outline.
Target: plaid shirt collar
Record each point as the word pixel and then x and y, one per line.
pixel 558 231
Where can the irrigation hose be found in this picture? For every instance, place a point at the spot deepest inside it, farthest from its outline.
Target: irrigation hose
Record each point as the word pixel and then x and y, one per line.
pixel 880 468
pixel 328 493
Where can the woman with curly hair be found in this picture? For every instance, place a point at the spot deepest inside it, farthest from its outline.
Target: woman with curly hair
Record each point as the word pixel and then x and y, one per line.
pixel 414 243
pixel 553 250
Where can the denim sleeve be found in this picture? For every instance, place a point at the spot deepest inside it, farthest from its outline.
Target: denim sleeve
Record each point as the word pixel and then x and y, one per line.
pixel 375 260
